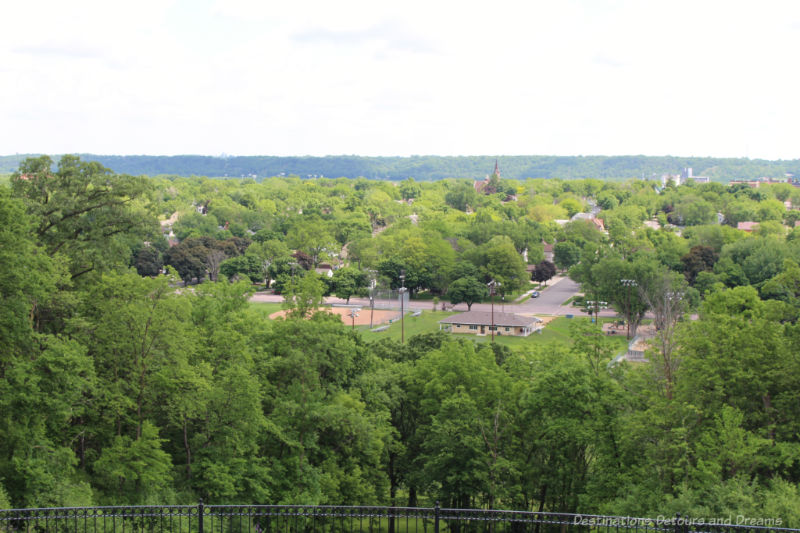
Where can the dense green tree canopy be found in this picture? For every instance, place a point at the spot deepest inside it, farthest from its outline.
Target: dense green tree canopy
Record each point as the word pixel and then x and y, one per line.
pixel 83 211
pixel 118 385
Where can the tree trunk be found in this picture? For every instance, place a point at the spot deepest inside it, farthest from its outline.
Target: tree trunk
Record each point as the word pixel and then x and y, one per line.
pixel 392 489
pixel 188 450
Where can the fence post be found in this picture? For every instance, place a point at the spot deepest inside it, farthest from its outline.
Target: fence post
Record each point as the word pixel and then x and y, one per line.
pixel 200 515
pixel 677 523
pixel 436 518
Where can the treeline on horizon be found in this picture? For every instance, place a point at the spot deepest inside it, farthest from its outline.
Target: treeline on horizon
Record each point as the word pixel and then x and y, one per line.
pixel 432 167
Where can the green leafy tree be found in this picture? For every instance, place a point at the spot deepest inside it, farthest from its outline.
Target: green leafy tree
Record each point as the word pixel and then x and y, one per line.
pixel 669 248
pixel 188 259
pixel 465 419
pixel 311 236
pixel 742 210
pixel 770 228
pixel 501 262
pixel 217 405
pixel 557 421
pixel 461 196
pixel 326 433
pixel 28 277
pixel 467 290
pixel 140 337
pixel 699 259
pixel 566 254
pixel 771 210
pixel 148 261
pixel 784 286
pixel 245 265
pixel 619 282
pixel 44 379
pixel 607 200
pixel 195 225
pixel 694 211
pixel 83 211
pixel 304 295
pixel 571 205
pixel 135 470
pixel 581 232
pixel 268 253
pixel 46 390
pixel 409 189
pixel 349 281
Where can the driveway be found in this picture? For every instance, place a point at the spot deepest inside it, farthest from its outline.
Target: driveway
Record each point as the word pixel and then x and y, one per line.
pixel 550 300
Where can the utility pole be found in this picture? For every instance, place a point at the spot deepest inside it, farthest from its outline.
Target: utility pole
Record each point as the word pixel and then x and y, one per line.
pixel 492 284
pixel 628 283
pixel 402 307
pixel 371 301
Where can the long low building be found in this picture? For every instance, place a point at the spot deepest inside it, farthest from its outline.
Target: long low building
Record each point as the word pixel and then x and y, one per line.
pixel 480 323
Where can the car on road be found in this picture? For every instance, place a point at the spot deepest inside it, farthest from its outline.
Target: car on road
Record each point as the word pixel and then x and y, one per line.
pixel 535 294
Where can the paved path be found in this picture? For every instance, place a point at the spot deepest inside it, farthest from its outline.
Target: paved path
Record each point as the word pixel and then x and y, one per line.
pixel 549 303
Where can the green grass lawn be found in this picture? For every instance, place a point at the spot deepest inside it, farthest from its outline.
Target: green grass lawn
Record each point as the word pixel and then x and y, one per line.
pixel 428 322
pixel 571 299
pixel 556 331
pixel 266 308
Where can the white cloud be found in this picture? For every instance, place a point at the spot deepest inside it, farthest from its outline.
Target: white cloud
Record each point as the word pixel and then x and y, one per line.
pixel 254 77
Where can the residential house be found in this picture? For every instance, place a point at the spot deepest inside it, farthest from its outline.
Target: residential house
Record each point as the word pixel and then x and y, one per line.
pixel 484 322
pixel 598 222
pixel 324 269
pixel 749 227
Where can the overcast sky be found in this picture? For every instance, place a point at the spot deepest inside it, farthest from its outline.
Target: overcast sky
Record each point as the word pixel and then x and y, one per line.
pixel 288 77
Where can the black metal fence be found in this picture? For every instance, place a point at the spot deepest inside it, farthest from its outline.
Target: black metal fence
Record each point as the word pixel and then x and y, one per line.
pixel 333 519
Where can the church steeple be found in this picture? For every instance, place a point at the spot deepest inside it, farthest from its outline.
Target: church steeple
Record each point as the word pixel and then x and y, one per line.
pixel 496 169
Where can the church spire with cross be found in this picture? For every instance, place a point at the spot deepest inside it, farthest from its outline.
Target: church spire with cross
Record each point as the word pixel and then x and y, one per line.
pixel 496 169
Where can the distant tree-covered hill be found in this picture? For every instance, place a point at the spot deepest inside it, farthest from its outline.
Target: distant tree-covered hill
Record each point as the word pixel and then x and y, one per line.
pixel 435 167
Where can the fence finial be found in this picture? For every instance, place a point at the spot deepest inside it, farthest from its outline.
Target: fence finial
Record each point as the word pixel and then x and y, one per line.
pixel 200 515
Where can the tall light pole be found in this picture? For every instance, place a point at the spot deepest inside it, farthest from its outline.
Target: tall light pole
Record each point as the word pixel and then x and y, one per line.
pixel 402 307
pixel 628 283
pixel 353 314
pixel 371 300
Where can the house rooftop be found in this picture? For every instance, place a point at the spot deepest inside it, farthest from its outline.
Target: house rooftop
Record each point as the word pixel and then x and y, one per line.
pixel 485 318
pixel 747 226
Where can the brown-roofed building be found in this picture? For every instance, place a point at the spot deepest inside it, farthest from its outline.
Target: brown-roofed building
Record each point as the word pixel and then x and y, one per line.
pixel 480 323
pixel 598 222
pixel 324 269
pixel 747 226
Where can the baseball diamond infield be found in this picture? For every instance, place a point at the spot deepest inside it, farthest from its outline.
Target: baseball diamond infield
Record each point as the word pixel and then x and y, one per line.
pixel 380 316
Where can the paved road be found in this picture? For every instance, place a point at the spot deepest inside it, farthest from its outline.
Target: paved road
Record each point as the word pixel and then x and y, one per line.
pixel 552 297
pixel 549 303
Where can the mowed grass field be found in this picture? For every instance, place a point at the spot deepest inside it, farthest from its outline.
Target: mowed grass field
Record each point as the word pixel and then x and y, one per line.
pixel 558 330
pixel 266 308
